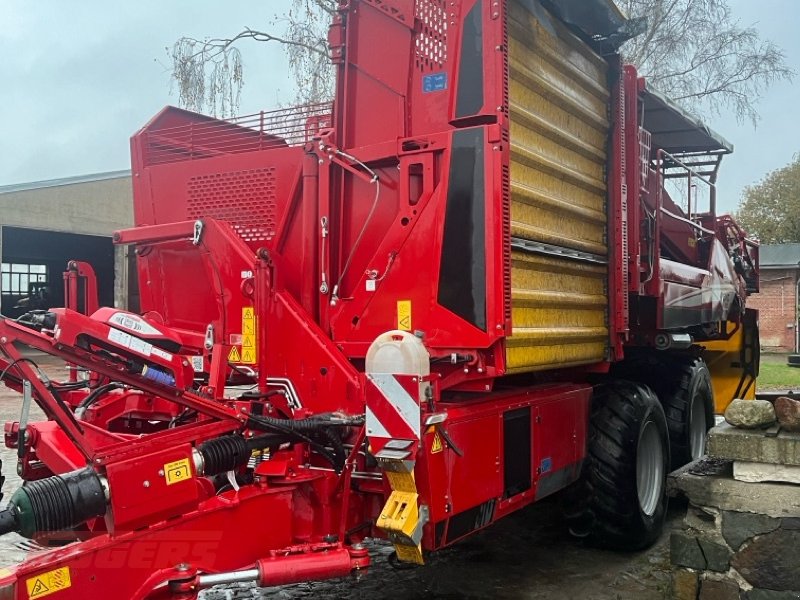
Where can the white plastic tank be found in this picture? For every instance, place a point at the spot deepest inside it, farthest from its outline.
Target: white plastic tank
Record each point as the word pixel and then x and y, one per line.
pixel 398 352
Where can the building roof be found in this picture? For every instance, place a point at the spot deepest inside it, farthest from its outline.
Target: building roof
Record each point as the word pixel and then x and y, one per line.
pixel 35 185
pixel 776 256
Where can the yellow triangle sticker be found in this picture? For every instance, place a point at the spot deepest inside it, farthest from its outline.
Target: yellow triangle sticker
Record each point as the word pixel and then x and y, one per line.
pixel 233 355
pixel 437 445
pixel 249 356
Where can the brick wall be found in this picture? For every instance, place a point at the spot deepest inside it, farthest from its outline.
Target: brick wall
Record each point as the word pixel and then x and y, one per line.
pixel 776 305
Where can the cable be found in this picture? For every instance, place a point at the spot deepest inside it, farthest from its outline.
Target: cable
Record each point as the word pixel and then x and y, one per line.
pixel 93 397
pixel 44 377
pixel 283 426
pixel 376 181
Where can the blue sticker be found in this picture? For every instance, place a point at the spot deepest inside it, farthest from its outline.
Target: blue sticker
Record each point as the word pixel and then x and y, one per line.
pixel 546 465
pixel 434 83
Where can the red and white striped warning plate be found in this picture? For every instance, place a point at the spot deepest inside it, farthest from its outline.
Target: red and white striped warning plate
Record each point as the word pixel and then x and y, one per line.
pixel 393 415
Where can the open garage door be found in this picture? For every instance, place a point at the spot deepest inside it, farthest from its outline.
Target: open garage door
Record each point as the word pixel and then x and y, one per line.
pixel 33 262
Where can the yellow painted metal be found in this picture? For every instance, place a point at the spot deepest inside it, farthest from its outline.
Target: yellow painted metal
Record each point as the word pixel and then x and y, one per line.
pixel 559 98
pixel 724 361
pixel 400 517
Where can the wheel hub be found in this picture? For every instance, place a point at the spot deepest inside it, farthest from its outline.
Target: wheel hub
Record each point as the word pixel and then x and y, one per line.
pixel 649 469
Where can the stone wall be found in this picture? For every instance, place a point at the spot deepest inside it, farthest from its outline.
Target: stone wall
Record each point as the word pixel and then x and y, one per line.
pixel 741 541
pixel 730 555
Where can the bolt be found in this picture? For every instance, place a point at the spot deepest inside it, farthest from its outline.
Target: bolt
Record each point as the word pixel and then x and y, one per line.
pixel 185 363
pixel 3 340
pixel 182 567
pixel 161 472
pixel 146 483
pixel 466 370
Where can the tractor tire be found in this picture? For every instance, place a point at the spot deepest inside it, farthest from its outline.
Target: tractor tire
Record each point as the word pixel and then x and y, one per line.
pixel 620 501
pixel 688 400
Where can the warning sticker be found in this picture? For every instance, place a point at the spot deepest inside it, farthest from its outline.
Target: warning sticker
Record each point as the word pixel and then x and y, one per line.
pixel 437 445
pixel 177 471
pixel 48 583
pixel 248 336
pixel 404 315
pixel 233 355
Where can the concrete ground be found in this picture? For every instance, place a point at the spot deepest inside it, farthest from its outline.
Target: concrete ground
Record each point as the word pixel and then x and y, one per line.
pixel 528 555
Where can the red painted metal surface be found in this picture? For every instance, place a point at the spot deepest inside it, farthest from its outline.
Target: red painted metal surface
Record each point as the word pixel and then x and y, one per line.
pixel 272 250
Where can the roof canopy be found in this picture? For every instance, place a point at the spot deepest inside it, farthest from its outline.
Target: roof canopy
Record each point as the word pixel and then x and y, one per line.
pixel 596 18
pixel 676 131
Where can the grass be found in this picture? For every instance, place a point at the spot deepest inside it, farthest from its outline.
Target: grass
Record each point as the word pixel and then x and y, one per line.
pixel 775 374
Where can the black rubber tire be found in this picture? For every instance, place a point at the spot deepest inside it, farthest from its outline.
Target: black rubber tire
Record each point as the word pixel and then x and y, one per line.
pixel 793 360
pixel 604 506
pixel 686 381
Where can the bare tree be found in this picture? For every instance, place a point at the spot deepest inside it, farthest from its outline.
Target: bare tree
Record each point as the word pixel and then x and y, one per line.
pixel 209 73
pixel 693 51
pixel 696 53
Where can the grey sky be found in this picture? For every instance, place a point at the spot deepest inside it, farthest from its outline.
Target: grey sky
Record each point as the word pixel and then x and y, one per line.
pixel 79 77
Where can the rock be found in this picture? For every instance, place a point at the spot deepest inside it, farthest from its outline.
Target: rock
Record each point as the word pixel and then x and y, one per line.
pixel 771 561
pixel 738 527
pixel 751 445
pixel 790 523
pixel 719 490
pixel 750 414
pixel 684 551
pixel 756 594
pixel 717 556
pixel 788 413
pixel 757 472
pixel 684 585
pixel 718 590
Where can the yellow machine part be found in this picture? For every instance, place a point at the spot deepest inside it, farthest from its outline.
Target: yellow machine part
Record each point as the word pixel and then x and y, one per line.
pixel 726 362
pixel 559 99
pixel 400 517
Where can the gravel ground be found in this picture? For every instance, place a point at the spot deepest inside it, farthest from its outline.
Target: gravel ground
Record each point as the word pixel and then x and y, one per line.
pixel 527 556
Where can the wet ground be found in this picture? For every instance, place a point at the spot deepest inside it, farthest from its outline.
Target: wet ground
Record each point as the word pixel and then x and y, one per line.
pixel 528 555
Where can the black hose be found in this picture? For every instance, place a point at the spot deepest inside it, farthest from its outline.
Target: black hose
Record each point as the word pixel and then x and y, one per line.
pixel 94 396
pixel 284 426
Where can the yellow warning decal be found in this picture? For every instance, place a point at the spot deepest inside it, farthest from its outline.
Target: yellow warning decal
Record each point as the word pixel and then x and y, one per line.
pixel 48 583
pixel 404 315
pixel 233 355
pixel 437 445
pixel 177 471
pixel 248 336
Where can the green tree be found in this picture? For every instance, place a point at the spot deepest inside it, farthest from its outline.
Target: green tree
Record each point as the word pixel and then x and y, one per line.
pixel 692 50
pixel 770 209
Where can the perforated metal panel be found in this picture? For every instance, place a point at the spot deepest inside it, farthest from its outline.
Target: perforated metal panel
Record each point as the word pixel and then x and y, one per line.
pixel 245 199
pixel 431 40
pixel 559 101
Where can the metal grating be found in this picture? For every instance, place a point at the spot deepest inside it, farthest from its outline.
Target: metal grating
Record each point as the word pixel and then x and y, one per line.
pixel 245 199
pixel 506 243
pixel 645 146
pixel 431 39
pixel 204 137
